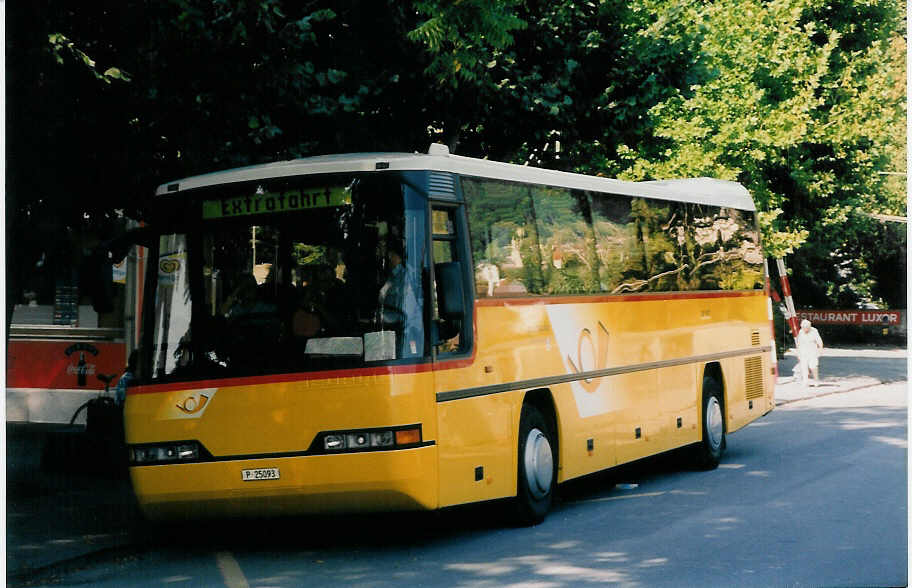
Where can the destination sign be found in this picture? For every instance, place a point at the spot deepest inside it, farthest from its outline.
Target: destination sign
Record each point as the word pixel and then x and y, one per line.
pixel 272 202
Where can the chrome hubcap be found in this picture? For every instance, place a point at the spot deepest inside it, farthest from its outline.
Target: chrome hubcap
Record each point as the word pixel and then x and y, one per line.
pixel 714 429
pixel 539 464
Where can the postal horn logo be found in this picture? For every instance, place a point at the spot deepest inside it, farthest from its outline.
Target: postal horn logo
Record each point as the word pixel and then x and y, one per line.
pixel 195 403
pixel 590 356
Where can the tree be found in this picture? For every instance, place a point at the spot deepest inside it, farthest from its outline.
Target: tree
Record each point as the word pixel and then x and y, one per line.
pixel 555 84
pixel 800 101
pixel 65 131
pixel 108 101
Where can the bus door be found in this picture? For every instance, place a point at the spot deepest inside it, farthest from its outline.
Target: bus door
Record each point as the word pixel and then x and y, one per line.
pixel 475 431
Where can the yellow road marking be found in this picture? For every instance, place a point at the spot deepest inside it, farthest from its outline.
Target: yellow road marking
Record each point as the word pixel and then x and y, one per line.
pixel 231 570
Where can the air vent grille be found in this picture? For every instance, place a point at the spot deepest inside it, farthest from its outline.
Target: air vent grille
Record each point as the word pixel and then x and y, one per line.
pixel 755 338
pixel 442 184
pixel 753 377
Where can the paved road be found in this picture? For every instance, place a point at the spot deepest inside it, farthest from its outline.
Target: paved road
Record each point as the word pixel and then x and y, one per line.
pixel 813 494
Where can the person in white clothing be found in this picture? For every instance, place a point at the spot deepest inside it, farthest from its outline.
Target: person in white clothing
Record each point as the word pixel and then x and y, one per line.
pixel 809 345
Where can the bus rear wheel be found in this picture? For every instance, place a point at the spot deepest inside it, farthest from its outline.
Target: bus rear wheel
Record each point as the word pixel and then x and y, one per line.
pixel 537 468
pixel 708 452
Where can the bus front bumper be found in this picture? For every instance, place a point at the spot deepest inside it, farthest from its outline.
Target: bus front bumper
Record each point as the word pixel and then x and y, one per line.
pixel 355 482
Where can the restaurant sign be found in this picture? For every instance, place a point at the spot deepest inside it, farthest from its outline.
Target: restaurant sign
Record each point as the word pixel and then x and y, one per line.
pixel 884 318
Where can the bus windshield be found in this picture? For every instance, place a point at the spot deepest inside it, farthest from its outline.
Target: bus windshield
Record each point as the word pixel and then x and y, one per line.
pixel 288 276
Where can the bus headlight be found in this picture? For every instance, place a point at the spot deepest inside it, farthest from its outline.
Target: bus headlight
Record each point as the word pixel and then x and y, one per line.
pixel 372 439
pixel 382 439
pixel 331 442
pixel 164 453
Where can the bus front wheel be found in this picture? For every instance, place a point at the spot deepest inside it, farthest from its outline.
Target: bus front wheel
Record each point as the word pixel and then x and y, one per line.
pixel 709 450
pixel 537 467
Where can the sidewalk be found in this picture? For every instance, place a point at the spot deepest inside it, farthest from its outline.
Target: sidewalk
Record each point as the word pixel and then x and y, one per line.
pixel 61 517
pixel 789 390
pixel 835 373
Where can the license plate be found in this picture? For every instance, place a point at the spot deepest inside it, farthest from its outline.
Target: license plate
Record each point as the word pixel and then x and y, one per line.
pixel 260 474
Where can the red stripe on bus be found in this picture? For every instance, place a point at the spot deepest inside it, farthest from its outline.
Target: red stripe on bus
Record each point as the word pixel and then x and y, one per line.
pixel 305 376
pixel 280 378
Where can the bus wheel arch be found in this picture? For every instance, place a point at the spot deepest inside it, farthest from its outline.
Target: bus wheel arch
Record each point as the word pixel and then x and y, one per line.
pixel 708 451
pixel 537 458
pixel 713 372
pixel 544 402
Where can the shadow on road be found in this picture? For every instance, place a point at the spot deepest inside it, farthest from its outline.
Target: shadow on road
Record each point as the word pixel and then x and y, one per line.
pixel 393 530
pixel 604 529
pixel 645 524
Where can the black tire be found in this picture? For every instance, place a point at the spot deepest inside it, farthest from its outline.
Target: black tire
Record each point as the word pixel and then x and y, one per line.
pixel 708 451
pixel 537 471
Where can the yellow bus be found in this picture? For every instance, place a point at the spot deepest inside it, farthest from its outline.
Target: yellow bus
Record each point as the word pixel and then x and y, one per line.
pixel 396 331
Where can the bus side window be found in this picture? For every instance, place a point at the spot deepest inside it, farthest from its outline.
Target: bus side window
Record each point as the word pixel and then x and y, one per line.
pixel 446 256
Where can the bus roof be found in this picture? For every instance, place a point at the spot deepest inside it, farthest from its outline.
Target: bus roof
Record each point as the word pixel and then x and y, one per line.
pixel 710 191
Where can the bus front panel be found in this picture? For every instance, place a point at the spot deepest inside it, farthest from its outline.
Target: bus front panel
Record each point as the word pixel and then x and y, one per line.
pixel 271 447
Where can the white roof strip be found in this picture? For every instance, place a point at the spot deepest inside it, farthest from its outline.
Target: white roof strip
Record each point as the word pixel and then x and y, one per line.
pixel 700 190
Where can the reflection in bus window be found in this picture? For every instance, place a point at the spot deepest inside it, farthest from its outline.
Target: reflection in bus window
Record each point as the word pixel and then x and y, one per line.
pixel 172 343
pixel 553 241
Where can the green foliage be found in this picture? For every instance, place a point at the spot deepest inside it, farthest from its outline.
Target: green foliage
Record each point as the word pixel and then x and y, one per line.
pixel 62 49
pixel 465 37
pixel 800 100
pixel 779 241
pixel 304 254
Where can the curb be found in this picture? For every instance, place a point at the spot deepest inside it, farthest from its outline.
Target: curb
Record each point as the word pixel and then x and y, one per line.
pixel 47 573
pixel 822 394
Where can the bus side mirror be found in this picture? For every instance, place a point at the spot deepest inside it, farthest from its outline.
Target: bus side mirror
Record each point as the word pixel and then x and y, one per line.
pixel 450 298
pixel 98 272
